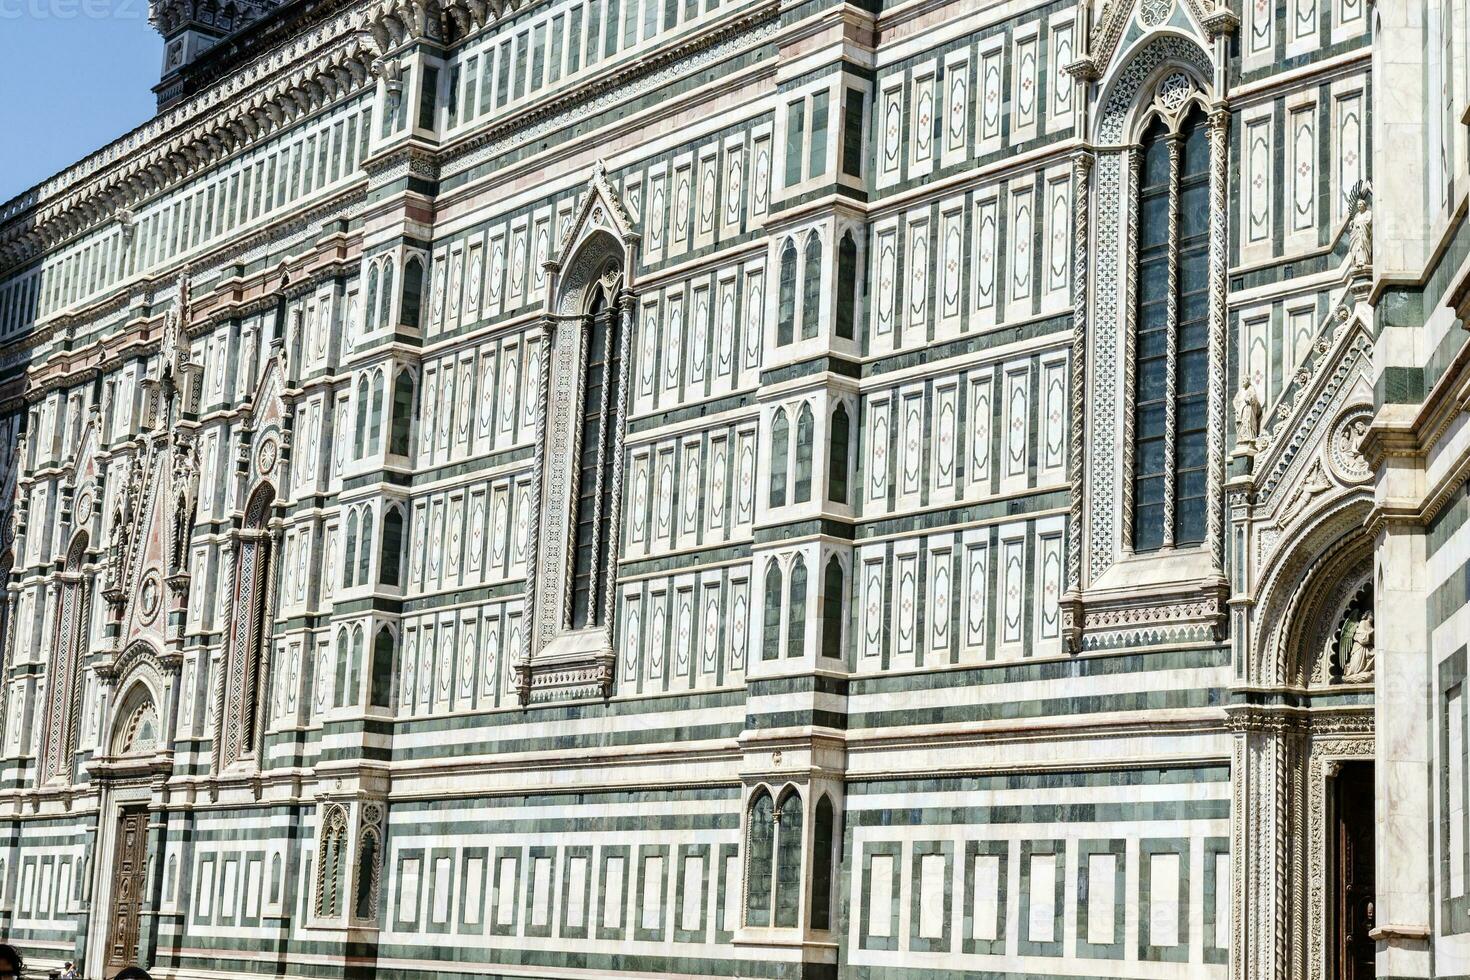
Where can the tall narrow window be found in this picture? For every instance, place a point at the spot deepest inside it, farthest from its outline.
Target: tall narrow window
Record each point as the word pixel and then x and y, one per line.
pixel 339 696
pixel 788 859
pixel 359 444
pixel 353 697
pixel 371 309
pixel 780 450
pixel 823 833
pixel 413 292
pixel 602 400
pixel 365 551
pixel 771 632
pixel 759 854
pixel 1172 359
pixel 64 693
pixel 390 553
pixel 811 287
pixel 832 591
pixel 795 140
pixel 385 311
pixel 805 436
pixel 837 450
pixel 796 613
pixel 402 414
pixel 786 315
pixel 847 286
pixel 375 427
pixel 329 873
pixel 249 641
pixel 382 676
pixel 349 560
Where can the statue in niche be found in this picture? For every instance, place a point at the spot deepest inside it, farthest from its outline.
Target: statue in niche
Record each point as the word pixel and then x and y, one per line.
pixel 1360 240
pixel 1356 646
pixel 185 484
pixel 1247 416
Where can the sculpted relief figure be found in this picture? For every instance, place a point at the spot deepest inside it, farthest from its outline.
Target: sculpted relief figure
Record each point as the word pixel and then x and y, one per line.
pixel 1360 242
pixel 1359 665
pixel 1247 416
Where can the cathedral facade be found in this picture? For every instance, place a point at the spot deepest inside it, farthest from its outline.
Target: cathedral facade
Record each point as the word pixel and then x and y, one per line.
pixel 773 489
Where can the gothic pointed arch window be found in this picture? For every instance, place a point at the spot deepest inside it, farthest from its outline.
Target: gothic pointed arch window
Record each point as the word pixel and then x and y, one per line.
pixel 1152 258
pixel 578 364
pixel 771 626
pixel 780 450
pixel 796 610
pixel 849 282
pixel 811 286
pixel 838 447
pixel 402 426
pixel 833 591
pixel 365 548
pixel 375 427
pixel 1171 335
pixel 410 309
pixel 390 552
pixel 805 448
pixel 786 310
pixel 385 310
pixel 64 688
pixel 349 561
pixel 332 852
pixel 246 661
pixel 359 444
pixel 602 399
pixel 370 308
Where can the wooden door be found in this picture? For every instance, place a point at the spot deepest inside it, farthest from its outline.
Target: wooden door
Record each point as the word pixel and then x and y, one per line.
pixel 129 871
pixel 1353 871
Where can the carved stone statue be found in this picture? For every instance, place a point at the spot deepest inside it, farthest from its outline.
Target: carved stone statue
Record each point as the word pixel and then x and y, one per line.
pixel 185 483
pixel 1247 416
pixel 1360 242
pixel 1359 665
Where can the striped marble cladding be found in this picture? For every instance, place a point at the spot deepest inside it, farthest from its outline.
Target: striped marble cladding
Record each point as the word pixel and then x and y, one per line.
pixel 43 873
pixel 588 881
pixel 1106 874
pixel 1447 541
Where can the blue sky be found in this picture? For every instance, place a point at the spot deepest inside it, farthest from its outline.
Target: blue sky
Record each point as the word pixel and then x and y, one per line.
pixel 74 76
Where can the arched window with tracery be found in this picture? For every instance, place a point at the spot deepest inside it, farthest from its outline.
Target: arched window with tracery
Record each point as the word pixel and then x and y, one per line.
pixel 788 858
pixel 773 859
pixel 64 688
pixel 760 839
pixel 246 662
pixel 602 401
pixel 331 851
pixel 1171 339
